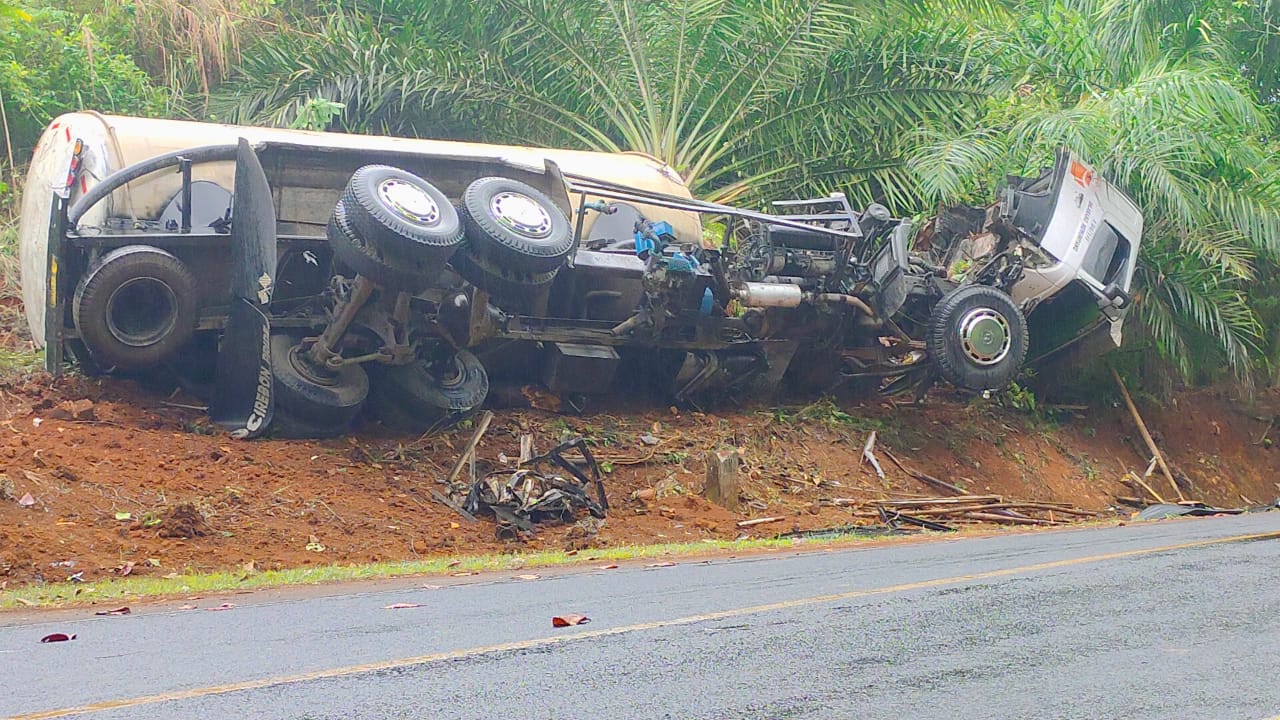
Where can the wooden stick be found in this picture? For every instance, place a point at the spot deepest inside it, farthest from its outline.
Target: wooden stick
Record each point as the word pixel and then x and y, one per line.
pixel 942 501
pixel 1133 477
pixel 869 455
pixel 929 479
pixel 444 500
pixel 759 521
pixel 1146 436
pixel 1013 520
pixel 481 427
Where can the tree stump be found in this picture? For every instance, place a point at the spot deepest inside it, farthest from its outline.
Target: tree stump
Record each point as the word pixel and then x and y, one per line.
pixel 721 487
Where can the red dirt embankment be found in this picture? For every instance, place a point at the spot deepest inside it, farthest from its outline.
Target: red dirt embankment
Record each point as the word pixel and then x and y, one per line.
pixel 139 483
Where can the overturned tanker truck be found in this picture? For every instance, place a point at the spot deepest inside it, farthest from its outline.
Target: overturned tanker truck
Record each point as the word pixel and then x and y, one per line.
pixel 299 278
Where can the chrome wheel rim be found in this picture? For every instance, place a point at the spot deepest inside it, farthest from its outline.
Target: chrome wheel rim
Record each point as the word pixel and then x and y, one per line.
pixel 409 201
pixel 521 213
pixel 985 336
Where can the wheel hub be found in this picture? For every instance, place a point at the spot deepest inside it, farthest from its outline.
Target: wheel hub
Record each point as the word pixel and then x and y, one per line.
pixel 300 362
pixel 985 337
pixel 142 311
pixel 521 213
pixel 409 201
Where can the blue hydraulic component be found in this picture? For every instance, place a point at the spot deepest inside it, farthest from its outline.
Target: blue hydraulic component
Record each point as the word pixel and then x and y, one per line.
pixel 652 237
pixel 708 302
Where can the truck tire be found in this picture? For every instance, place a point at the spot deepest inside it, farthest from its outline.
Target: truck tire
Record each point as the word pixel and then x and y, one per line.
pixel 513 291
pixel 404 216
pixel 351 251
pixel 514 226
pixel 424 395
pixel 978 338
pixel 135 307
pixel 309 404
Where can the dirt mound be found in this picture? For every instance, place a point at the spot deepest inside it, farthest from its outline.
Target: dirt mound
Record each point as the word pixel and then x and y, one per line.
pixel 132 481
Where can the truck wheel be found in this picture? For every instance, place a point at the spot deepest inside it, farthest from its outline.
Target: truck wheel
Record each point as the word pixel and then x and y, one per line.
pixel 514 226
pixel 426 394
pixel 978 338
pixel 351 251
pixel 135 307
pixel 311 403
pixel 512 291
pixel 404 216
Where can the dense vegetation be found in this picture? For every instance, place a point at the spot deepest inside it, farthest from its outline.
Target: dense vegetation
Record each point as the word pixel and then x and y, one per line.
pixel 910 102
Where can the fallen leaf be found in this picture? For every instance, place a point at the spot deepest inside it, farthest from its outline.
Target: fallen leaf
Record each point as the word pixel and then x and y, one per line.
pixel 608 567
pixel 125 569
pixel 117 611
pixel 57 637
pixel 661 564
pixel 401 606
pixel 571 552
pixel 27 500
pixel 567 620
pixel 315 547
pixel 528 577
pixel 223 606
pixel 429 586
pixel 454 526
pixel 465 574
pixel 36 421
pixel 124 516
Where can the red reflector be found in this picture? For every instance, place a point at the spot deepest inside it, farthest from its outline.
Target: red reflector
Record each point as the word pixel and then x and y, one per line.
pixel 68 130
pixel 84 186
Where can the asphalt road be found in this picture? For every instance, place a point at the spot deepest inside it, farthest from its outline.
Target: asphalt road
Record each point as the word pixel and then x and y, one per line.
pixel 1168 620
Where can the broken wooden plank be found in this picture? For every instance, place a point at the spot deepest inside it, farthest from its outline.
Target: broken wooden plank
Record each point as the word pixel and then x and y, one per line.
pixel 915 502
pixel 1010 519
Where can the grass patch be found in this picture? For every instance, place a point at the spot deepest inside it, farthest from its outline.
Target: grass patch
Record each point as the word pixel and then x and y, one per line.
pixel 133 588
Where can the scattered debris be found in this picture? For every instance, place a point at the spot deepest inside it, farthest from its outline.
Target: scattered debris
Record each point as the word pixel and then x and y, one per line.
pixel 611 566
pixel 518 500
pixel 661 564
pixel 569 620
pixel 7 488
pixel 183 521
pixel 402 606
pixel 57 637
pixel 26 500
pixel 223 606
pixel 444 500
pixel 927 479
pixel 926 512
pixel 528 577
pixel 117 611
pixel 648 439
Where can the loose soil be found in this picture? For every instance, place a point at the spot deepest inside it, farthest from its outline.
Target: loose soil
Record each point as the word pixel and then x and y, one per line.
pixel 130 482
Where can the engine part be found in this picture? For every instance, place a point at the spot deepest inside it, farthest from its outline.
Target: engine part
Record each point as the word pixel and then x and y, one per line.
pixel 515 227
pixel 755 294
pixel 135 307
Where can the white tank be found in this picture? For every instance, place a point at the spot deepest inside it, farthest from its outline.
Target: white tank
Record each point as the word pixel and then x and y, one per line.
pixel 115 142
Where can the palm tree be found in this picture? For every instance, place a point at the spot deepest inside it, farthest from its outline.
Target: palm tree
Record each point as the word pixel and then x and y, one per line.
pixel 745 98
pixel 1168 116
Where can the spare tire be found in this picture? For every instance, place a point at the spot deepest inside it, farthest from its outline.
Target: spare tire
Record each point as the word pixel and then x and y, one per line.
pixel 978 338
pixel 351 251
pixel 135 307
pixel 515 226
pixel 515 292
pixel 404 216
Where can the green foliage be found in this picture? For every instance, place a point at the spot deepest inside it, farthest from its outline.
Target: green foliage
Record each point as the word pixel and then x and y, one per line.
pixel 1153 95
pixel 745 98
pixel 317 114
pixel 52 61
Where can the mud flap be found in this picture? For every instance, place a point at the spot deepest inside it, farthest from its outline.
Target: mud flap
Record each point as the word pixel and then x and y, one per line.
pixel 242 400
